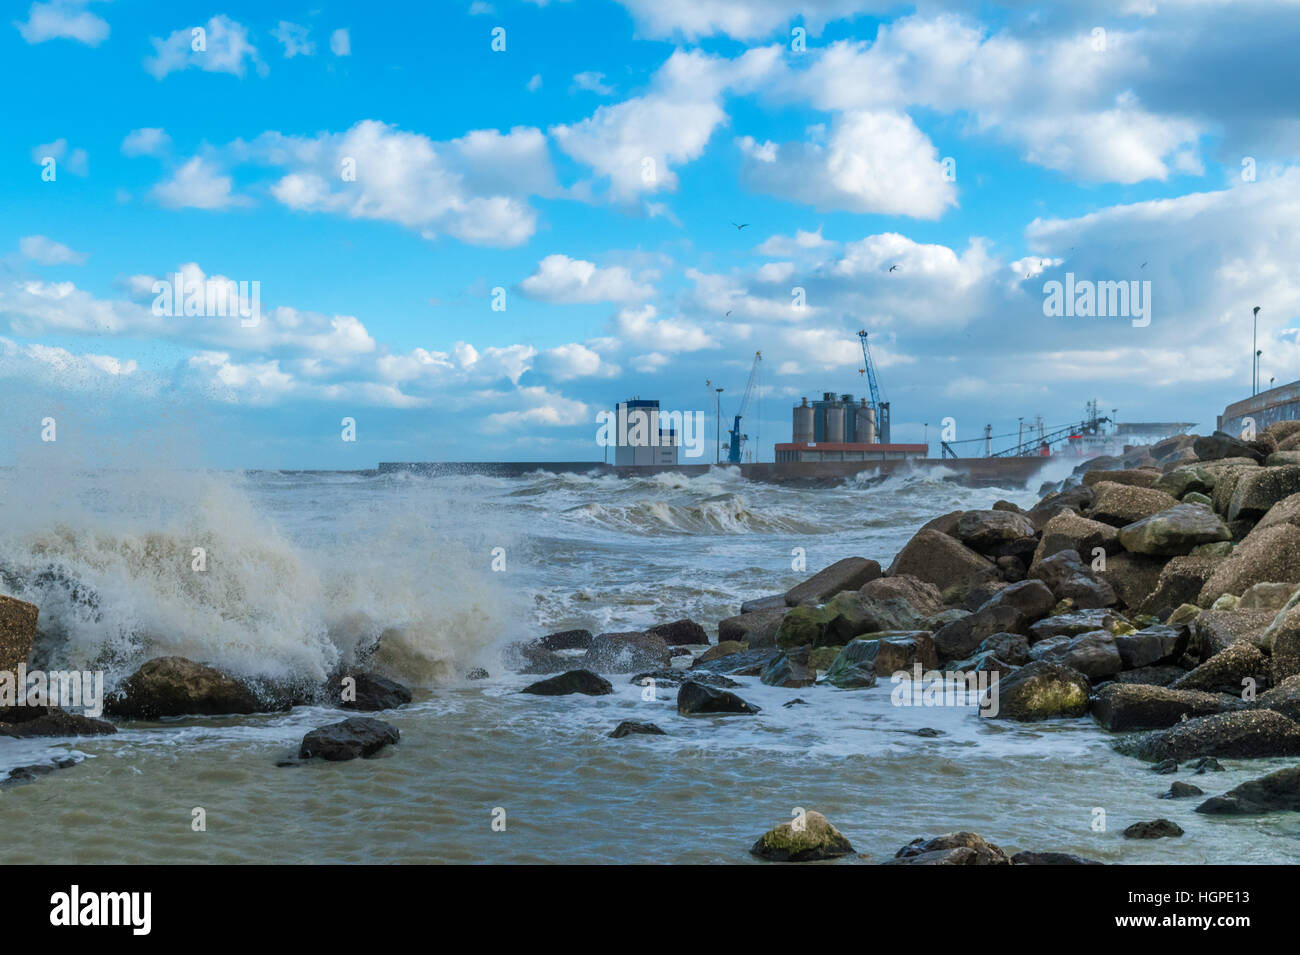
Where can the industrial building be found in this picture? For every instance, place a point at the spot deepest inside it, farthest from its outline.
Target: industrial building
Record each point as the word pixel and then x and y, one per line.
pixel 838 429
pixel 638 439
pixel 1268 407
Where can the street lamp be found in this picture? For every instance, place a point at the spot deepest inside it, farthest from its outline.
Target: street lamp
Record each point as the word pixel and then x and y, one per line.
pixel 1254 342
pixel 1257 354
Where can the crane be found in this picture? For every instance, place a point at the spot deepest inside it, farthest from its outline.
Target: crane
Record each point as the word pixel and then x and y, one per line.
pixel 738 439
pixel 882 407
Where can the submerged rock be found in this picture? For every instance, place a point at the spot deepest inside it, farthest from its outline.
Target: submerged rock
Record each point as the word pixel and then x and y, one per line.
pixel 1128 706
pixel 566 640
pixel 359 736
pixel 1181 790
pixel 370 692
pixel 21 722
pixel 626 652
pixel 1242 734
pixel 1051 858
pixel 744 663
pixel 575 681
pixel 675 677
pixel 175 686
pixel 696 699
pixel 815 839
pixel 1042 690
pixel 1155 829
pixel 1276 792
pixel 953 848
pixel 628 727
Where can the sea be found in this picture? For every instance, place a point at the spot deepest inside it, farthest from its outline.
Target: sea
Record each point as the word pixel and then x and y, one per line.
pixel 304 571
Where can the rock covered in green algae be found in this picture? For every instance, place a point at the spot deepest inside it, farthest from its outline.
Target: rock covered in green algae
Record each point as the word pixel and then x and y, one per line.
pixel 809 839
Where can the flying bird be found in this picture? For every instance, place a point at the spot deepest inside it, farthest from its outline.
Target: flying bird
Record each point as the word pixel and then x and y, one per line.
pixel 892 267
pixel 1144 265
pixel 740 225
pixel 728 313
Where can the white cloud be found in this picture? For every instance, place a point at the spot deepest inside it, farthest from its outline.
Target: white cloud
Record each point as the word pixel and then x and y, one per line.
pixel 226 49
pixel 60 367
pixel 740 19
pixel 198 184
pixel 567 362
pixel 341 42
pixel 873 162
pixel 63 19
pixel 45 251
pixel 146 142
pixel 592 82
pixel 562 280
pixel 294 38
pixel 75 161
pixel 641 327
pixel 481 8
pixel 801 243
pixel 534 83
pixel 543 409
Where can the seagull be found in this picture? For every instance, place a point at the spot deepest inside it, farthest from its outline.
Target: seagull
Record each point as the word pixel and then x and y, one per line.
pixel 1144 265
pixel 728 313
pixel 740 225
pixel 892 267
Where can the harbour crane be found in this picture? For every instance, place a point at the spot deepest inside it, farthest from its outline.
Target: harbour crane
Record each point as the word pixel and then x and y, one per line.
pixel 882 407
pixel 737 439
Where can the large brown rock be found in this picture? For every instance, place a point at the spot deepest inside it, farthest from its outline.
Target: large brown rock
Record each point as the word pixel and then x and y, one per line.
pixel 1133 477
pixel 943 561
pixel 1139 706
pixel 175 686
pixel 1284 636
pixel 1134 577
pixel 922 595
pixel 1239 734
pixel 847 574
pixel 960 638
pixel 1069 578
pixel 1121 504
pixel 990 532
pixel 1225 671
pixel 1179 583
pixel 1040 691
pixel 1174 531
pixel 1222 445
pixel 809 839
pixel 1259 490
pixel 626 652
pixel 1213 631
pixel 758 629
pixel 1068 531
pixel 17 631
pixel 1285 511
pixel 1267 554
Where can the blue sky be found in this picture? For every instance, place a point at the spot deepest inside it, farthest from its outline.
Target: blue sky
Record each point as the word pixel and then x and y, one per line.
pixel 592 170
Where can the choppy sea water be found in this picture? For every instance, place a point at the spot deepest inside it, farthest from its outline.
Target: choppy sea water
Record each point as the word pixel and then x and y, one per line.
pixel 304 568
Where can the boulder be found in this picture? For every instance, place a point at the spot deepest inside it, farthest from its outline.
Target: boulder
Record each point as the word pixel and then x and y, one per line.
pixel 675 677
pixel 1186 480
pixel 370 692
pixel 1151 646
pixel 1225 671
pixel 960 638
pixel 803 626
pixel 757 628
pixel 175 686
pixel 1068 531
pixel 1092 654
pixel 1213 631
pixel 679 632
pixel 1051 858
pixel 1285 638
pixel 1179 583
pixel 983 852
pixel 1042 690
pixel 1174 531
pixel 1221 445
pixel 695 699
pixel 1285 511
pixel 1134 577
pixel 1010 648
pixel 991 532
pixel 1122 504
pixel 574 681
pixel 882 654
pixel 750 662
pixel 1283 698
pixel 772 602
pixel 1267 596
pixel 1240 734
pixel 722 649
pixel 566 640
pixel 1073 624
pixel 1133 477
pixel 809 839
pixel 1118 706
pixel 943 561
pixel 790 669
pixel 1032 598
pixel 22 722
pixel 1277 792
pixel 1181 790
pixel 626 652
pixel 1069 578
pixel 855 667
pixel 849 614
pixel 1161 675
pixel 630 727
pixel 1258 490
pixel 847 574
pixel 533 658
pixel 1155 829
pixel 923 596
pixel 17 631
pixel 357 736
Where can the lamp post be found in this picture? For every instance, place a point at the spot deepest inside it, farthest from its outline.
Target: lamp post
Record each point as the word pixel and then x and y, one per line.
pixel 1257 354
pixel 719 406
pixel 1254 343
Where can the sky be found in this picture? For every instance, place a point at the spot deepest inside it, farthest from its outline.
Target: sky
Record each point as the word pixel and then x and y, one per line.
pixel 471 227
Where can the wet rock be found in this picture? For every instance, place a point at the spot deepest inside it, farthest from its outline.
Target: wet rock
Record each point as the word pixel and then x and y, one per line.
pixel 922 596
pixel 1277 792
pixel 802 627
pixel 1161 675
pixel 679 632
pixel 1118 707
pixel 567 640
pixel 1133 577
pixel 1155 829
pixel 990 532
pixel 745 663
pixel 808 840
pixel 723 649
pixel 630 727
pixel 960 638
pixel 1093 654
pixel 885 653
pixel 22 722
pixel 1073 624
pixel 17 631
pixel 978 596
pixel 1224 672
pixel 1012 648
pixel 1051 858
pixel 1188 479
pixel 533 658
pixel 943 561
pixel 797 701
pixel 790 670
pixel 1174 531
pixel 1283 698
pixel 1121 504
pixel 1213 631
pixel 674 677
pixel 854 668
pixel 1267 596
pixel 626 652
pixel 847 574
pixel 1259 489
pixel 1243 734
pixel 1042 690
pixel 1033 598
pixel 1179 583
pixel 1180 790
pixel 849 614
pixel 929 732
pixel 982 851
pixel 1221 445
pixel 1265 555
pixel 175 686
pixel 695 699
pixel 477 673
pixel 370 692
pixel 1151 646
pixel 983 661
pixel 358 736
pixel 1069 578
pixel 1068 531
pixel 758 628
pixel 574 681
pixel 773 602
pixel 1165 767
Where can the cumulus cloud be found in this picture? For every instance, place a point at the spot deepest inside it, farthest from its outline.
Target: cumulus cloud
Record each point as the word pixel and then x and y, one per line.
pixel 63 19
pixel 740 19
pixel 341 42
pixel 562 280
pixel 223 46
pixel 45 251
pixel 542 408
pixel 198 184
pixel 145 142
pixel 75 161
pixel 294 38
pixel 640 326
